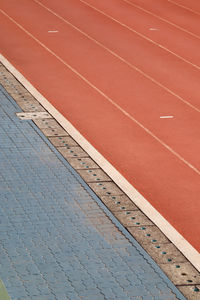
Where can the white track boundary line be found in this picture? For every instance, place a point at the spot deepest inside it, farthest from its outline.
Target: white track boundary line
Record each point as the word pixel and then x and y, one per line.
pixel 104 95
pixel 176 238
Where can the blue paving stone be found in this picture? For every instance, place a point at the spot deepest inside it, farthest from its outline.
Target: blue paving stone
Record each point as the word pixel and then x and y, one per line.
pixel 51 228
pixel 44 297
pixel 147 298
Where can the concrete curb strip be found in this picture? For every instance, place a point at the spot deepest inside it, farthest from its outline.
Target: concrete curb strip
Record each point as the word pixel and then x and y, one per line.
pixel 112 194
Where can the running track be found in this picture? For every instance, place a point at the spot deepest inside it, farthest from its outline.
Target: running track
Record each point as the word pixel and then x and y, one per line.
pixel 115 69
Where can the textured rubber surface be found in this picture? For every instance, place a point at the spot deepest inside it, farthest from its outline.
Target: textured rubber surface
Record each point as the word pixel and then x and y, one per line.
pixel 58 241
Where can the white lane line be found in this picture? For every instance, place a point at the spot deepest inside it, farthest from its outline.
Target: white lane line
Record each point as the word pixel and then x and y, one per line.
pixel 140 34
pixel 153 29
pixel 176 238
pixel 103 94
pixel 162 19
pixel 116 55
pixel 185 7
pixel 166 117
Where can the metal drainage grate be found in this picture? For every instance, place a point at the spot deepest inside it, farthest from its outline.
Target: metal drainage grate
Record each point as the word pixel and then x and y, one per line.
pixel 33 115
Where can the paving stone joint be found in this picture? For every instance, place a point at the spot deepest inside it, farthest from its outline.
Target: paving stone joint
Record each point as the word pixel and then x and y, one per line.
pixel 167 256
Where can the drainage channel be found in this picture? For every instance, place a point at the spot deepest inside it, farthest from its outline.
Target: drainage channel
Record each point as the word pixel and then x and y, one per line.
pixel 178 269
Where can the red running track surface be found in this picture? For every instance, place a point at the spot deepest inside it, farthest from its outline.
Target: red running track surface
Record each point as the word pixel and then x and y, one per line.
pixel 113 69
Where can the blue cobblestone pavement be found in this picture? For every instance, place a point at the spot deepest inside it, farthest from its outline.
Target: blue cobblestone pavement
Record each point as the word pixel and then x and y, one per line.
pixel 57 241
